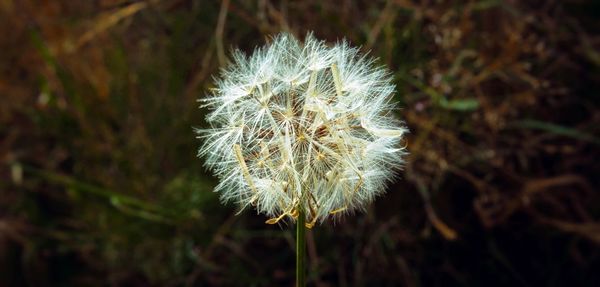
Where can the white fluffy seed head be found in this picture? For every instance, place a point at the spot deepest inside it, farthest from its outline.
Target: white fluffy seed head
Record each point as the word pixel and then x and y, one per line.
pixel 302 126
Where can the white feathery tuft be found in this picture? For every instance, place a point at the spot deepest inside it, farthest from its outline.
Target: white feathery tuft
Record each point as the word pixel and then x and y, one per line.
pixel 302 126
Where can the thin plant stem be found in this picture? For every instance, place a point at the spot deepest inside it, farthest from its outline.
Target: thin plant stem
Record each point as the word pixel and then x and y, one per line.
pixel 300 249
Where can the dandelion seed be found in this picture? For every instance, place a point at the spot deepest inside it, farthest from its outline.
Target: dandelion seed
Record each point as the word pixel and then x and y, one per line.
pixel 302 126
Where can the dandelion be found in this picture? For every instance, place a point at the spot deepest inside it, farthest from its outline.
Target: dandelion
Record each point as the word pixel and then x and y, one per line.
pixel 302 130
pixel 302 127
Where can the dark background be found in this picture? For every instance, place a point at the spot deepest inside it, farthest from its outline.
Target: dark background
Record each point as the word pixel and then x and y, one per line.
pixel 100 184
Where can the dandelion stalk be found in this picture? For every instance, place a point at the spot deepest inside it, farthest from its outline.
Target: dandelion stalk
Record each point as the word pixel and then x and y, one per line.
pixel 300 249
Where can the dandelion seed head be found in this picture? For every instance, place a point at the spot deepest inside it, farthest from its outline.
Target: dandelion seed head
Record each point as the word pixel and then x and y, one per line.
pixel 302 126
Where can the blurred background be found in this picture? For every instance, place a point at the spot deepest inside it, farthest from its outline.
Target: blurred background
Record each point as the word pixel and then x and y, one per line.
pixel 100 184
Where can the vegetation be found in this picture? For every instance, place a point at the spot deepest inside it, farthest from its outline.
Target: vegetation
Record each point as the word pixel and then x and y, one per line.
pixel 100 184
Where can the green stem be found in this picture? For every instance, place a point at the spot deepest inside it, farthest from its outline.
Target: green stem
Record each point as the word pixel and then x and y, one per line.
pixel 300 249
